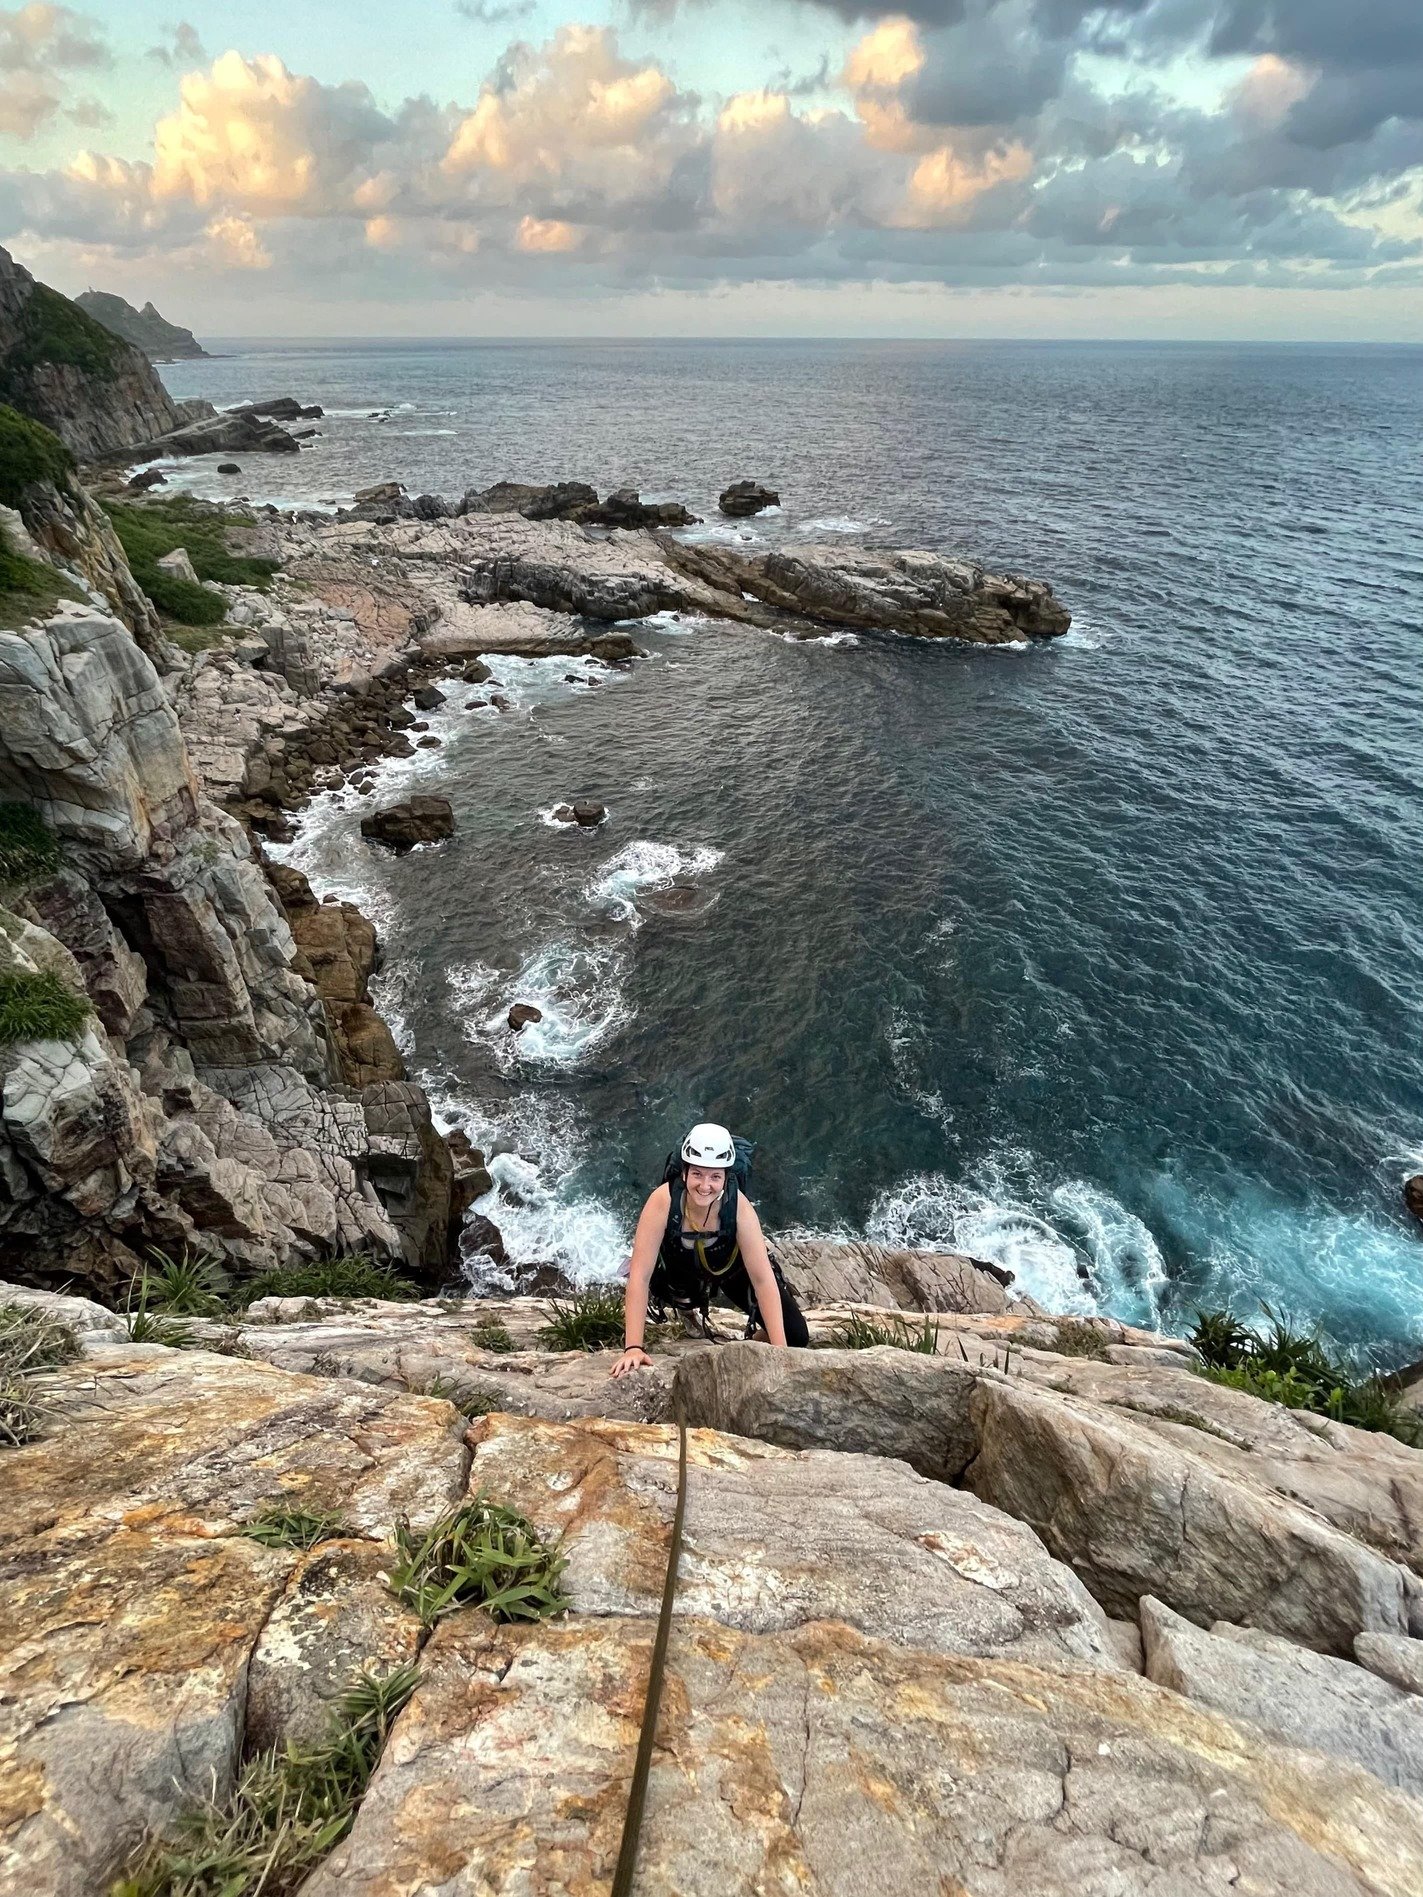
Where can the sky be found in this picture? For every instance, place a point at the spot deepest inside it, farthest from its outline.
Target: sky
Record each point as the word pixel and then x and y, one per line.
pixel 1221 169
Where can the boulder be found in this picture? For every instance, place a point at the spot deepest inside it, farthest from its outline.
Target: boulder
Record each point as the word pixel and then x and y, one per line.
pixel 410 1167
pixel 364 1044
pixel 1306 1699
pixel 1134 1514
pixel 178 565
pixel 417 820
pixel 427 697
pixel 228 467
pixel 563 500
pixel 865 1273
pixel 280 408
pixel 229 434
pixel 523 1014
pixel 881 1402
pixel 1413 1195
pixel 149 477
pixel 623 508
pixel 744 498
pixel 1393 1657
pixel 382 494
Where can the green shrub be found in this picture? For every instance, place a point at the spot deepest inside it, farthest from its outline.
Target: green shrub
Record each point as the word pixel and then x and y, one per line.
pixel 29 849
pixel 186 1286
pixel 490 1335
pixel 148 530
pixel 289 1809
pixel 591 1320
pixel 857 1332
pixel 51 329
pixel 1298 1369
pixel 28 588
pixel 353 1277
pixel 39 1006
pixel 478 1555
pixel 29 453
pixel 283 1527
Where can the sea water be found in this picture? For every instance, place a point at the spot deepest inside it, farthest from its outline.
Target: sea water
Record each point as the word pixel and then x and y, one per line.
pixel 1098 957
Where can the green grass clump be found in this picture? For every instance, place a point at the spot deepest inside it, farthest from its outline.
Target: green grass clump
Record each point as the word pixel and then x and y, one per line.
pixel 469 1402
pixel 186 1286
pixel 478 1555
pixel 591 1320
pixel 1298 1369
pixel 352 1277
pixel 29 849
pixel 283 1527
pixel 28 588
pixel 863 1333
pixel 30 1340
pixel 288 1811
pixel 29 453
pixel 1074 1337
pixel 493 1336
pixel 39 1006
pixel 150 529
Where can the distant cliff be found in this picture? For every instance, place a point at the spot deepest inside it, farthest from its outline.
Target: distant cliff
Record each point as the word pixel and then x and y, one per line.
pixel 62 368
pixel 160 340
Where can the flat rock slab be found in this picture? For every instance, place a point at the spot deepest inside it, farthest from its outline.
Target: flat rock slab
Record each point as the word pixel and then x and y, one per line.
pixel 876 1274
pixel 774 1539
pixel 132 1604
pixel 817 1761
pixel 1306 1699
pixel 514 626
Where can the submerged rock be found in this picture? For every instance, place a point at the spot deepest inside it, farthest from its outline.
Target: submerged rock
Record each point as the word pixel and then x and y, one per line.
pixel 417 820
pixel 523 1014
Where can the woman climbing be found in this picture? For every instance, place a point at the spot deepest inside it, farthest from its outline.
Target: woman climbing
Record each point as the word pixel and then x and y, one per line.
pixel 698 1236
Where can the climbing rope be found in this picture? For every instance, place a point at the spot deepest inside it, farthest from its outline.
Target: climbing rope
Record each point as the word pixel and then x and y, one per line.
pixel 637 1791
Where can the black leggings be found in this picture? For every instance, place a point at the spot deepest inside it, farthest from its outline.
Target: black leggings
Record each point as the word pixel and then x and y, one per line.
pixel 687 1290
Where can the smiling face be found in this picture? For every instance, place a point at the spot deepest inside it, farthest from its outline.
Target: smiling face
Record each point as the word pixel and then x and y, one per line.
pixel 704 1183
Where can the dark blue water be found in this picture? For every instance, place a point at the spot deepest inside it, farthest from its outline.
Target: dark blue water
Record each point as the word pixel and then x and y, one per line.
pixel 1101 958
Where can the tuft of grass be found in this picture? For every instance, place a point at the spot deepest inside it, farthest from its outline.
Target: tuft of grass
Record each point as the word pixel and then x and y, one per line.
pixel 29 453
pixel 281 1527
pixel 30 1340
pixel 189 1285
pixel 288 1811
pixel 857 1332
pixel 29 849
pixel 39 1006
pixel 1074 1337
pixel 148 530
pixel 468 1401
pixel 145 1325
pixel 493 1336
pixel 591 1320
pixel 29 589
pixel 477 1555
pixel 1298 1369
pixel 352 1277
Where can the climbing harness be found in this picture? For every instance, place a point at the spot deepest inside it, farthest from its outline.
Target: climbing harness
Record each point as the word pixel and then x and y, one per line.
pixel 637 1791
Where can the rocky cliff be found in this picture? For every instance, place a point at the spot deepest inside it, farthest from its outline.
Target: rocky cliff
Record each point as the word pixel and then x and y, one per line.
pixel 999 1621
pixel 160 340
pixel 57 364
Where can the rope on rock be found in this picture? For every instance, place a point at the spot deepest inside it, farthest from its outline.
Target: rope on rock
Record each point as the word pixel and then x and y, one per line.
pixel 637 1791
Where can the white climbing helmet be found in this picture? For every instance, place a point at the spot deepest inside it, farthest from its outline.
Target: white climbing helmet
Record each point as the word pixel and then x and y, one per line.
pixel 708 1145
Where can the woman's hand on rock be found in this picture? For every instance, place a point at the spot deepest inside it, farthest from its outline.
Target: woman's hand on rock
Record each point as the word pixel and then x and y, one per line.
pixel 633 1358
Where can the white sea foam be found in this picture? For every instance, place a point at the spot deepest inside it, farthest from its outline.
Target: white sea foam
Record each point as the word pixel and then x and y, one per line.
pixel 643 865
pixel 840 524
pixel 577 988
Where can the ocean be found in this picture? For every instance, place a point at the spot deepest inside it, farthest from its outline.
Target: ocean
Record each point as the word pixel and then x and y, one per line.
pixel 1101 958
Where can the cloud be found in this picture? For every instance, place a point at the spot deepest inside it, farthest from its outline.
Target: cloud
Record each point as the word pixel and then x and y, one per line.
pixel 182 48
pixel 39 46
pixel 495 12
pixel 970 144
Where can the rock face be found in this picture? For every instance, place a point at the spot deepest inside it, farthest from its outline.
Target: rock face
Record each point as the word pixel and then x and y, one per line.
pixel 418 820
pixel 75 535
pixel 57 365
pixel 236 432
pixel 1307 1699
pixel 874 1274
pixel 160 340
pixel 744 498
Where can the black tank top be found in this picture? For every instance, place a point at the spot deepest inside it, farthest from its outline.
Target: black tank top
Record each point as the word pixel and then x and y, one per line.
pixel 711 1253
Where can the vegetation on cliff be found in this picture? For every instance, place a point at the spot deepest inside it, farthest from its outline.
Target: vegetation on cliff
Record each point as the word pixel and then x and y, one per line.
pixel 1298 1369
pixel 289 1810
pixel 29 453
pixel 52 330
pixel 30 1340
pixel 38 1005
pixel 479 1555
pixel 29 849
pixel 149 531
